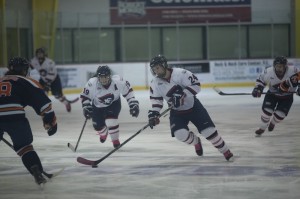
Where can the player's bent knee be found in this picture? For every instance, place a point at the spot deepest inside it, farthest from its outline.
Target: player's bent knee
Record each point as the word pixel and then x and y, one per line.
pixel 267 111
pixel 181 134
pixel 111 122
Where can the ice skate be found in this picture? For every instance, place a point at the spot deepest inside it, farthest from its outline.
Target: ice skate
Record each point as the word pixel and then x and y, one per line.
pixel 228 156
pixel 103 138
pixel 271 126
pixel 198 148
pixel 259 132
pixel 39 178
pixel 116 143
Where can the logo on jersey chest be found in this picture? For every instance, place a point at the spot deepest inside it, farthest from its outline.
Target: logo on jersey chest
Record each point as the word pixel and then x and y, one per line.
pixel 107 99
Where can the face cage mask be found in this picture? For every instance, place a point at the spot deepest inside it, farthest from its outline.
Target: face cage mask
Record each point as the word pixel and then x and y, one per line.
pixel 280 69
pixel 104 80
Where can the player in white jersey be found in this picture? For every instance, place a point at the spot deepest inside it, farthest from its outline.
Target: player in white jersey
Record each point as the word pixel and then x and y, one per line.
pixel 48 76
pixel 179 88
pixel 276 105
pixel 101 101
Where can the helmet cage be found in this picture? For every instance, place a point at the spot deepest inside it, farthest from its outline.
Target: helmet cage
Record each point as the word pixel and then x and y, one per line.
pixel 104 75
pixel 280 65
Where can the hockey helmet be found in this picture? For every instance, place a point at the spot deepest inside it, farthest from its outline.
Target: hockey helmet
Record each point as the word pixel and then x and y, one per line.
pixel 18 66
pixel 280 65
pixel 158 60
pixel 104 75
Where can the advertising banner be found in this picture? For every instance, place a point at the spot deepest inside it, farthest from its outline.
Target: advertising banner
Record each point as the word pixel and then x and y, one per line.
pixel 238 70
pixel 179 11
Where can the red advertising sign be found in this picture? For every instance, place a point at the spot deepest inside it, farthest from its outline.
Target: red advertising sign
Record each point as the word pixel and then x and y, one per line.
pixel 179 11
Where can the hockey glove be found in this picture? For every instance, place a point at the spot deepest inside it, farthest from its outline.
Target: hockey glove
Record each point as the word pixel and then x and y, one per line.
pixel 52 130
pixel 87 111
pixel 257 91
pixel 51 127
pixel 153 118
pixel 134 108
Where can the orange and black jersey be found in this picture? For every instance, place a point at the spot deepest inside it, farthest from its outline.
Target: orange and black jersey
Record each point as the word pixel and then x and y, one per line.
pixel 17 92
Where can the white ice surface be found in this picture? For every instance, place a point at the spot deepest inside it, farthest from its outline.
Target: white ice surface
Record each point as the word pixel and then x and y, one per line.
pixel 155 165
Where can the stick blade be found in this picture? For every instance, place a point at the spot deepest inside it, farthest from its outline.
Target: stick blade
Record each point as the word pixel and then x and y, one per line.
pixel 71 147
pixel 84 161
pixel 218 90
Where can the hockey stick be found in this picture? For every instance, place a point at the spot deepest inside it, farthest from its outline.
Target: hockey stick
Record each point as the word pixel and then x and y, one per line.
pixel 226 94
pixel 48 175
pixel 94 163
pixel 70 145
pixel 73 101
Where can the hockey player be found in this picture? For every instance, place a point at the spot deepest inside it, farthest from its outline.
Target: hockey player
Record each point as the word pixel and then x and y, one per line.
pixel 101 101
pixel 16 92
pixel 179 88
pixel 49 78
pixel 291 82
pixel 276 105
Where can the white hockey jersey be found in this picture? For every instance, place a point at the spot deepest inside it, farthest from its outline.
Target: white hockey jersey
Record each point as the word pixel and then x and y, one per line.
pixel 269 78
pixel 160 89
pixel 47 70
pixel 101 97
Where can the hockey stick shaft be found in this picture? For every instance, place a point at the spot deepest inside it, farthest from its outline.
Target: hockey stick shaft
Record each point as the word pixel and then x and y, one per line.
pixel 73 100
pixel 96 162
pixel 70 146
pixel 225 94
pixel 8 143
pixel 48 175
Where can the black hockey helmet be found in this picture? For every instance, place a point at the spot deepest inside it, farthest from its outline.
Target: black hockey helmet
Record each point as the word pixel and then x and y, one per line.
pixel 41 50
pixel 18 66
pixel 280 65
pixel 103 71
pixel 158 60
pixel 280 60
pixel 104 75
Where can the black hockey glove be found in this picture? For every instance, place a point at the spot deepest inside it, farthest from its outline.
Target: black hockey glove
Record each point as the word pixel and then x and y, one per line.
pixel 87 111
pixel 52 130
pixel 134 108
pixel 49 120
pixel 153 118
pixel 257 91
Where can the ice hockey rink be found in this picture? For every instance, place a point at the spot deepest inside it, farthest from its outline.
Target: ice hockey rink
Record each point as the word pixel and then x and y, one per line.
pixel 155 165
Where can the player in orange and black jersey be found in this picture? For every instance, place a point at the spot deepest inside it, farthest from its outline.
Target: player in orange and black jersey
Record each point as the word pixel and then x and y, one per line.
pixel 17 92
